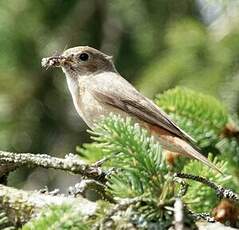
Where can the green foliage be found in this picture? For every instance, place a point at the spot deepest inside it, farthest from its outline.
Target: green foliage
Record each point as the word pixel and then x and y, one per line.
pixel 202 116
pixel 62 217
pixel 199 197
pixel 139 159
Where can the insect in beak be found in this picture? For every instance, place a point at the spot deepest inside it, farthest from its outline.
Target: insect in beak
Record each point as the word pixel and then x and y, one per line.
pixel 56 61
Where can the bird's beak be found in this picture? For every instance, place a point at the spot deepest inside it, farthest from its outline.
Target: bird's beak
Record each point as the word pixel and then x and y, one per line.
pixel 56 61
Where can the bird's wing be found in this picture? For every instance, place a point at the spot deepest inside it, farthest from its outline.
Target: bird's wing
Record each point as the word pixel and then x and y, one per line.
pixel 118 93
pixel 121 94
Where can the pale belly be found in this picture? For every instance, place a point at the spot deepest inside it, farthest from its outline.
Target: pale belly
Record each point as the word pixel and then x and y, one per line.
pixel 92 111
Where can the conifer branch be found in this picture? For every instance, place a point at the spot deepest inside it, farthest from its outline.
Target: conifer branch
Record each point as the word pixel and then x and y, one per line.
pixel 70 163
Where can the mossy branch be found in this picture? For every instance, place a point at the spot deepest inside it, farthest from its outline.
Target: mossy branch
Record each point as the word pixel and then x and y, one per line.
pixel 20 206
pixel 220 191
pixel 70 163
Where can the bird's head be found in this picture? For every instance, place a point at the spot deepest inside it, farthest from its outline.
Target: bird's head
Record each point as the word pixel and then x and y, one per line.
pixel 80 60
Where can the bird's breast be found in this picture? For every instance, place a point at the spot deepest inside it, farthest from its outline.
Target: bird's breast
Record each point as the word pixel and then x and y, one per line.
pixel 93 110
pixel 88 107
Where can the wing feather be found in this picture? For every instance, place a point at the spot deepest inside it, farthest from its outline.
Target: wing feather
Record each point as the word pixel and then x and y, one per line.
pixel 130 100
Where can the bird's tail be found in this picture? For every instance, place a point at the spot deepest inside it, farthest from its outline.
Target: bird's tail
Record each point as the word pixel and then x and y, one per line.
pixel 188 150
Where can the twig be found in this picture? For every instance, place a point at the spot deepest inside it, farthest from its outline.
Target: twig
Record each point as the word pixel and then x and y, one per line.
pixel 70 163
pixel 221 192
pixel 201 216
pixel 178 214
pixel 90 189
pixel 102 161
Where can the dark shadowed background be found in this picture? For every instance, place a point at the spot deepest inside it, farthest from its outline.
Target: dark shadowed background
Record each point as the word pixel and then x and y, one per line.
pixel 156 45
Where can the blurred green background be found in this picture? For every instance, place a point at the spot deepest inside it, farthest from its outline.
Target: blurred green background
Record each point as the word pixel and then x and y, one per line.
pixel 156 44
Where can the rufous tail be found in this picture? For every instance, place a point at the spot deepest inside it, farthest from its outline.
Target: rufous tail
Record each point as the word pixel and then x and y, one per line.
pixel 190 151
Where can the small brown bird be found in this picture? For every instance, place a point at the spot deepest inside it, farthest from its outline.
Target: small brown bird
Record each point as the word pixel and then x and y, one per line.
pixel 98 89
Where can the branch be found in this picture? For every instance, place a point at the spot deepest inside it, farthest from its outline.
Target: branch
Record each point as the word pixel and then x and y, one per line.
pixel 70 163
pixel 201 216
pixel 20 206
pixel 221 192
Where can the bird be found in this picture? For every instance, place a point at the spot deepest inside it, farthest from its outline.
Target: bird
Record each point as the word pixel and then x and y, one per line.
pixel 98 90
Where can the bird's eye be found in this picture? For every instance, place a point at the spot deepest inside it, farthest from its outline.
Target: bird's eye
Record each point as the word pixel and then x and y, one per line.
pixel 84 57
